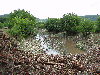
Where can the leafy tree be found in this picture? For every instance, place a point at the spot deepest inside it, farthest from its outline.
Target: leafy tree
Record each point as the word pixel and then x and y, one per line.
pixel 98 25
pixel 22 28
pixel 18 13
pixel 52 25
pixel 21 24
pixel 69 23
pixel 2 19
pixel 86 27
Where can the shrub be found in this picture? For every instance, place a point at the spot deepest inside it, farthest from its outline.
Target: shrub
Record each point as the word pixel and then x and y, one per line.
pixel 22 28
pixel 69 23
pixel 98 25
pixel 1 25
pixel 52 25
pixel 3 19
pixel 86 27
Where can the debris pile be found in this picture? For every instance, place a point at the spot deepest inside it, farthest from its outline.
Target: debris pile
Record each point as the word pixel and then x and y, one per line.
pixel 16 61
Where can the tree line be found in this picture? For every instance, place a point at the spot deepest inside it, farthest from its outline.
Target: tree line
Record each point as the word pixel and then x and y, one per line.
pixel 22 24
pixel 92 17
pixel 73 24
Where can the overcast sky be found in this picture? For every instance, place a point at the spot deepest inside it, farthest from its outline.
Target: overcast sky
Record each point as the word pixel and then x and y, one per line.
pixel 51 8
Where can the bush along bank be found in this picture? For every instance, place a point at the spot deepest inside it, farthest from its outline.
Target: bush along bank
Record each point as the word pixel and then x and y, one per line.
pixel 72 25
pixel 17 61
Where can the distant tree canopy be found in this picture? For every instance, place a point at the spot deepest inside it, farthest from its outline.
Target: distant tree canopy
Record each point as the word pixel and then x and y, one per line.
pixel 5 15
pixel 91 17
pixel 41 20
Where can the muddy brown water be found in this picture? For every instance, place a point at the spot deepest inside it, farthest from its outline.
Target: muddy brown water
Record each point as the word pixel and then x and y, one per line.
pixel 52 45
pixel 70 47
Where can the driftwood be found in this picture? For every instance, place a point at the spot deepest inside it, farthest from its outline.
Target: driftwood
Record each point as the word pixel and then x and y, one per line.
pixel 15 61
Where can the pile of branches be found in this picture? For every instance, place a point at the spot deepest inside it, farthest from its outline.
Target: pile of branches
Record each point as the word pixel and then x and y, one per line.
pixel 15 61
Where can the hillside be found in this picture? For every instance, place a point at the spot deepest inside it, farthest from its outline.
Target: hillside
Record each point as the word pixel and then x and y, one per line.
pixel 92 17
pixel 5 15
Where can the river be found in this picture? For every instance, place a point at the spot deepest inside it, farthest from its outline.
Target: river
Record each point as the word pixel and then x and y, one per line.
pixel 56 45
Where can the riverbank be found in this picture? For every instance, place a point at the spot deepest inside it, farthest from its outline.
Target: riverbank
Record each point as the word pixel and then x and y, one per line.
pixel 16 61
pixel 52 43
pixel 78 41
pixel 81 43
pixel 31 44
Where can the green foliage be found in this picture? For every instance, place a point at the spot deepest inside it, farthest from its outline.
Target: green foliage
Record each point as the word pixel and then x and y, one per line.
pixel 86 27
pixel 52 25
pixel 1 25
pixel 18 13
pixel 69 23
pixel 94 27
pixel 80 47
pixel 2 19
pixel 22 28
pixel 98 25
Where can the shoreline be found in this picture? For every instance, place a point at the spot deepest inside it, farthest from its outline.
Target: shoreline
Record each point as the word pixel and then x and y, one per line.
pixel 19 60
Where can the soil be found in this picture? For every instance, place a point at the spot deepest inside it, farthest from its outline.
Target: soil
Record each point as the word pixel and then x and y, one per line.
pixel 16 61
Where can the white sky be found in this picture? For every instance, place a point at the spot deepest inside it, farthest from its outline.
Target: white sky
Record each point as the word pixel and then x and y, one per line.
pixel 51 8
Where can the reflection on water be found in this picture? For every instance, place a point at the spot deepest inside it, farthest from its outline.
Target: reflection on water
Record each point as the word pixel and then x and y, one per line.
pixel 54 45
pixel 44 42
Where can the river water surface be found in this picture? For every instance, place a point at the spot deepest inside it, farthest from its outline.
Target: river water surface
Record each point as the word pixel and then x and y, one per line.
pixel 56 45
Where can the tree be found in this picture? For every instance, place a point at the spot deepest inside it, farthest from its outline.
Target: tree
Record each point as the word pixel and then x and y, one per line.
pixel 22 28
pixel 19 13
pixel 98 25
pixel 2 19
pixel 69 23
pixel 86 27
pixel 1 25
pixel 52 25
pixel 21 24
